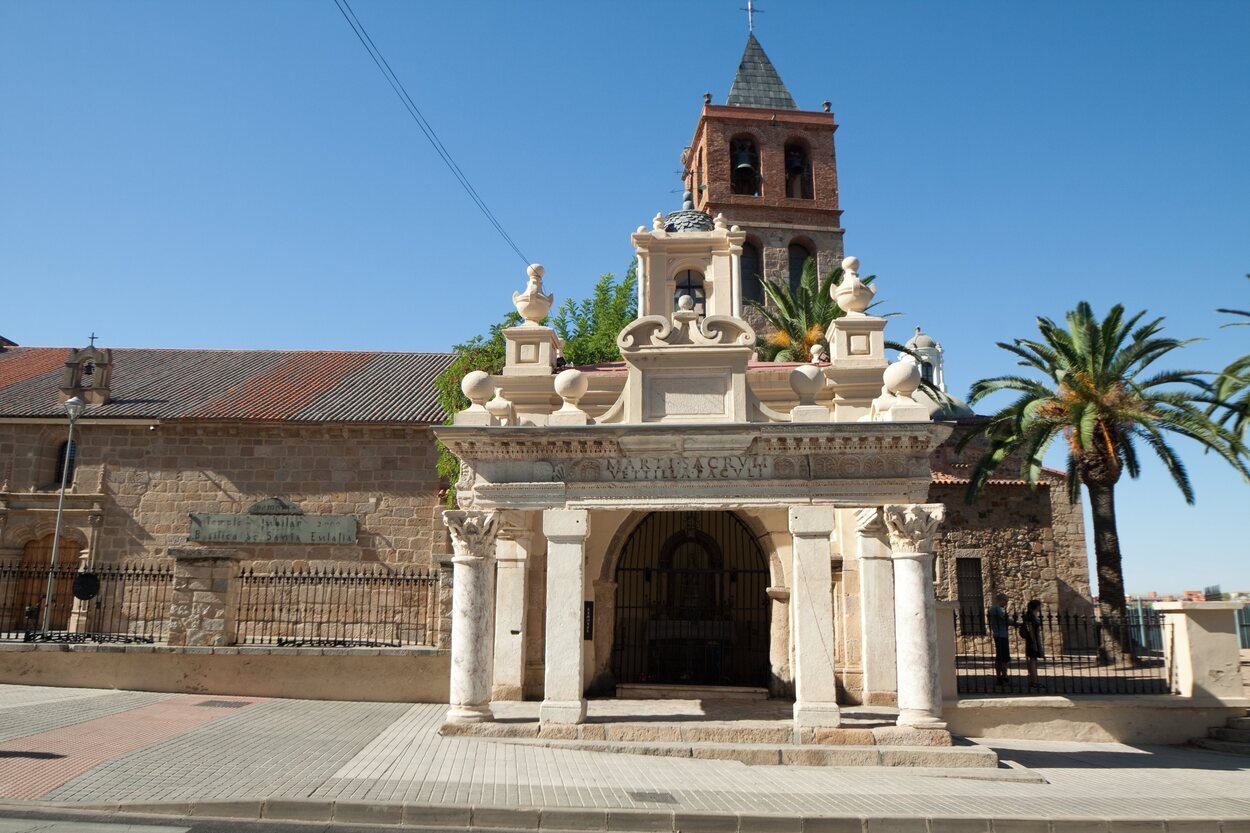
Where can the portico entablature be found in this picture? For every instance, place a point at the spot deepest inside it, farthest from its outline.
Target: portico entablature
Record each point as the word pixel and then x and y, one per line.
pixel 653 466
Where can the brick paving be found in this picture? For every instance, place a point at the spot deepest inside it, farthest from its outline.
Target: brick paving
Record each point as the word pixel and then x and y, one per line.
pixel 391 753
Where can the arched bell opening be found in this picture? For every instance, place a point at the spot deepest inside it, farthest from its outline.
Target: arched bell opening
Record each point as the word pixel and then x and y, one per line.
pixel 691 603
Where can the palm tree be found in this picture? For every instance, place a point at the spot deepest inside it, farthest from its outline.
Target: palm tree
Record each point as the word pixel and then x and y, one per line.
pixel 800 317
pixel 1100 394
pixel 1232 388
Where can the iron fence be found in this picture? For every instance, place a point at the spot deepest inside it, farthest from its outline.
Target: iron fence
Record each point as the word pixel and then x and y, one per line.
pixel 1080 655
pixel 339 606
pixel 110 603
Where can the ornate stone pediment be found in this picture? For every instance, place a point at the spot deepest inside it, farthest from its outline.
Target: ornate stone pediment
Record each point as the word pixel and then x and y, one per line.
pixel 684 329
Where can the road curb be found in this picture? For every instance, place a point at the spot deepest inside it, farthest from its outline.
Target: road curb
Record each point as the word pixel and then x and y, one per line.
pixel 619 820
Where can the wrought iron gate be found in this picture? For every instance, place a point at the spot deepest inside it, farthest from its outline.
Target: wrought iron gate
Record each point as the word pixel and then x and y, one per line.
pixel 691 602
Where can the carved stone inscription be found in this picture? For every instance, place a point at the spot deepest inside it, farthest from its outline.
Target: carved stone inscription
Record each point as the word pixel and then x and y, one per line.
pixel 273 529
pixel 711 467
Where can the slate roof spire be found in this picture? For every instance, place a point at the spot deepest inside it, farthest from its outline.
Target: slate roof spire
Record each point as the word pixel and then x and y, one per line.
pixel 757 83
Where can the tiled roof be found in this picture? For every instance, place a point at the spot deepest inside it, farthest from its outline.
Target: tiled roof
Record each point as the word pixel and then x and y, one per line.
pixel 757 83
pixel 275 385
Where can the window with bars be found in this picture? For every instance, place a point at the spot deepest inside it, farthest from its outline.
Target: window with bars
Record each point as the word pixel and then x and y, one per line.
pixel 970 590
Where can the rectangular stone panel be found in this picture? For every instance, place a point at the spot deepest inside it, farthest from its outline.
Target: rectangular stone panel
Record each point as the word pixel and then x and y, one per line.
pixel 273 529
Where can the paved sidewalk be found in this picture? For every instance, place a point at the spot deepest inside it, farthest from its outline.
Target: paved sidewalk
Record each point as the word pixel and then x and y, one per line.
pixel 219 755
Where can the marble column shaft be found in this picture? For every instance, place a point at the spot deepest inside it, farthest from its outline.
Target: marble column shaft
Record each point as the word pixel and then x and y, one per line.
pixel 876 589
pixel 472 613
pixel 911 528
pixel 811 597
pixel 564 680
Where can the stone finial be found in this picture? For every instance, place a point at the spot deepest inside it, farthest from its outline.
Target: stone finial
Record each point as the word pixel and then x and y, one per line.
pixel 657 222
pixel 501 410
pixel 913 526
pixel 826 106
pixel 685 303
pixel 707 98
pixel 571 385
pixel 819 353
pixel 720 222
pixel 478 387
pixel 852 295
pixel 902 378
pixel 532 304
pixel 806 381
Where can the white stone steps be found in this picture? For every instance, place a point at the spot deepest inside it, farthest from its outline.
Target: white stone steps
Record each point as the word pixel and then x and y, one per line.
pixel 1229 747
pixel 937 757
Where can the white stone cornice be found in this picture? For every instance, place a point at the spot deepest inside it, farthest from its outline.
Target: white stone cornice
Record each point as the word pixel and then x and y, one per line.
pixel 472 532
pixel 913 526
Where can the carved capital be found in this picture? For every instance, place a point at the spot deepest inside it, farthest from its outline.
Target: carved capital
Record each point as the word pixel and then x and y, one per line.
pixel 912 526
pixel 869 523
pixel 472 532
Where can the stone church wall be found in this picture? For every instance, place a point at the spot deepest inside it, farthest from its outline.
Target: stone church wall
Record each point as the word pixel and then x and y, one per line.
pixel 147 478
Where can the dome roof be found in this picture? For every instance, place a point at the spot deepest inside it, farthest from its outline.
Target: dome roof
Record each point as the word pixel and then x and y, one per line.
pixel 920 339
pixel 688 219
pixel 953 408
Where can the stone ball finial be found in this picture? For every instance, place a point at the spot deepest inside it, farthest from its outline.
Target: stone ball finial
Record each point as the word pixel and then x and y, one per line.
pixel 827 106
pixel 571 385
pixel 707 98
pixel 806 381
pixel 850 264
pixel 478 387
pixel 902 378
pixel 657 222
pixel 536 270
pixel 685 303
pixel 720 222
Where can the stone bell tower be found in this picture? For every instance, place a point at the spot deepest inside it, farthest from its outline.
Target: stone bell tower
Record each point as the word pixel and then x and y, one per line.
pixel 769 168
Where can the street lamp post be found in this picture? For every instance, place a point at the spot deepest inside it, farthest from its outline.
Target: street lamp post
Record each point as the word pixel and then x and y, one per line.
pixel 73 409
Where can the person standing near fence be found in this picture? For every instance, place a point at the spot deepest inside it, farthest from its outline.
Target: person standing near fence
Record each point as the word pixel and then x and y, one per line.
pixel 1031 632
pixel 1000 629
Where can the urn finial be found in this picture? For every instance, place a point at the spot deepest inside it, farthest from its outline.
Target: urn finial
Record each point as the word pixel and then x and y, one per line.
pixel 852 295
pixel 532 304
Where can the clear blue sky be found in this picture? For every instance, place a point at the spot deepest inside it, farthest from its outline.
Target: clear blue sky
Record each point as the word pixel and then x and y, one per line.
pixel 237 174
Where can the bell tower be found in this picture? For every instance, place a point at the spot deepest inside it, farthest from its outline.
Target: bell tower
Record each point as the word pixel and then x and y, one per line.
pixel 769 168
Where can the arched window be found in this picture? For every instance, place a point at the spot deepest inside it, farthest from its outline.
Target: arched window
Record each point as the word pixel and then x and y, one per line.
pixel 689 282
pixel 798 171
pixel 744 167
pixel 926 371
pixel 799 255
pixel 66 456
pixel 752 267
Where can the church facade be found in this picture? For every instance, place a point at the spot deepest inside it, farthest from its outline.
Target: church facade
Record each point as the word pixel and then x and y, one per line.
pixel 690 518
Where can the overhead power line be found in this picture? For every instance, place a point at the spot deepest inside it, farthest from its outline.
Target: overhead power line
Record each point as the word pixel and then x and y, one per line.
pixel 391 78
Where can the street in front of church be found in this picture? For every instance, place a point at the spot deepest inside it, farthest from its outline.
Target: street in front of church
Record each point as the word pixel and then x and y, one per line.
pixel 180 761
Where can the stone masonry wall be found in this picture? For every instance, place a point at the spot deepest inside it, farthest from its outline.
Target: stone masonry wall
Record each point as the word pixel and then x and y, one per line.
pixel 148 478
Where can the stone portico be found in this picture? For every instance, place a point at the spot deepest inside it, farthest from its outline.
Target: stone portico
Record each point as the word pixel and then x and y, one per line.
pixel 683 532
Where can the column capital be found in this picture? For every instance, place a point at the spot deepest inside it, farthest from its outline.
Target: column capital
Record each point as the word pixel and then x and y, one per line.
pixel 913 526
pixel 472 532
pixel 566 525
pixel 816 521
pixel 869 523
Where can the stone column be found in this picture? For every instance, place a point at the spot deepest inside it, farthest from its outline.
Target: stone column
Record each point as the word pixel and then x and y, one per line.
pixel 605 636
pixel 205 600
pixel 876 608
pixel 811 596
pixel 512 554
pixel 780 681
pixel 472 613
pixel 911 528
pixel 564 686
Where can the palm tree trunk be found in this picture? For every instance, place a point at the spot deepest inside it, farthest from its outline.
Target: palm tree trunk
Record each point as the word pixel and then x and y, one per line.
pixel 1111 602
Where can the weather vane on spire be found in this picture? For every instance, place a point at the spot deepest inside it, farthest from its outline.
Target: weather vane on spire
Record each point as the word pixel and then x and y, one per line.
pixel 751 10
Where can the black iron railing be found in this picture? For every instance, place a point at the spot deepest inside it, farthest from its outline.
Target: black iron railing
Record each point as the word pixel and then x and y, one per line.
pixel 112 603
pixel 339 606
pixel 1080 655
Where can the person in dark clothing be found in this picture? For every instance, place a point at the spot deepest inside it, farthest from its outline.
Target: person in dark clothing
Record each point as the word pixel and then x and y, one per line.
pixel 1000 629
pixel 1031 632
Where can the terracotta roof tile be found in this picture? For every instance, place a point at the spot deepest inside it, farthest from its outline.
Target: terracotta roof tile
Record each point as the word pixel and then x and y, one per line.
pixel 282 385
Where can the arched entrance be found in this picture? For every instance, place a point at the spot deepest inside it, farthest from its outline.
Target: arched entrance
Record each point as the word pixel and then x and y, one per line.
pixel 691 606
pixel 32 581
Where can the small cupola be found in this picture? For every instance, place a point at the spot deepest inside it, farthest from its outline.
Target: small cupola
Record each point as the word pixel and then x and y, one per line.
pixel 88 374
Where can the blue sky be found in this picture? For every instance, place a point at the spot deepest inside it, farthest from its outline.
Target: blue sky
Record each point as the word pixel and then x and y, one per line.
pixel 237 174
